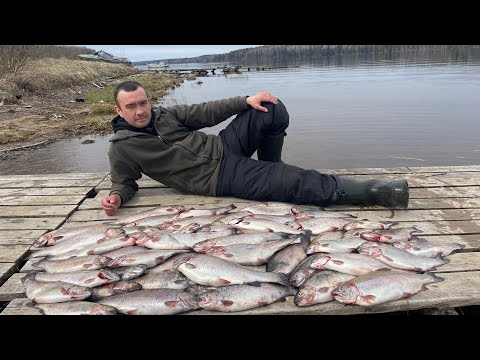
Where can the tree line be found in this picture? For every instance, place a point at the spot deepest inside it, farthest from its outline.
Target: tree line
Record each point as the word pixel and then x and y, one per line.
pixel 291 54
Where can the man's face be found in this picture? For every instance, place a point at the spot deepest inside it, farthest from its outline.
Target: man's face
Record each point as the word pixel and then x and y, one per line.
pixel 134 107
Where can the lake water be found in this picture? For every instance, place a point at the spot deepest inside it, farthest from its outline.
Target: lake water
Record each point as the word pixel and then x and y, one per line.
pixel 365 114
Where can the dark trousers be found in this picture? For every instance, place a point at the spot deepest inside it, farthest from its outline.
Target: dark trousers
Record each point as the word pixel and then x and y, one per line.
pixel 246 178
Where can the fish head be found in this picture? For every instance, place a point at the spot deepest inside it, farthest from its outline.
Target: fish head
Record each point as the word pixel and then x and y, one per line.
pixel 79 292
pixel 103 310
pixel 140 238
pixel 371 236
pixel 121 287
pixel 189 300
pixel 404 245
pixel 209 298
pixel 108 275
pixel 181 260
pixel 203 246
pixel 346 293
pixel 369 249
pixel 305 296
pixel 320 261
pixel 299 277
pixel 117 261
pixel 113 231
pixel 102 260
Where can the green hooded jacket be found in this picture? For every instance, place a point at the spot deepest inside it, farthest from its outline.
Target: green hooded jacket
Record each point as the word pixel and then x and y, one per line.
pixel 180 156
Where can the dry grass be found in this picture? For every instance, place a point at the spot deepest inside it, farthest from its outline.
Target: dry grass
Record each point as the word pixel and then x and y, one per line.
pixel 8 136
pixel 44 75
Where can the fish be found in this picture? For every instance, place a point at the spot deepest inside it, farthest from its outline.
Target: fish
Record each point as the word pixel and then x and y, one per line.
pixel 318 288
pixel 287 259
pixel 76 308
pixel 53 292
pixel 150 258
pixel 212 271
pixel 158 211
pixel 390 236
pixel 270 208
pixel 383 286
pixel 303 271
pixel 90 278
pixel 206 212
pixel 179 241
pixel 351 263
pixel 320 225
pixel 263 225
pixel 115 288
pixel 88 262
pixel 428 249
pixel 399 258
pixel 152 302
pixel 335 246
pixel 168 279
pixel 257 238
pixel 374 225
pixel 171 263
pixel 242 297
pixel 130 272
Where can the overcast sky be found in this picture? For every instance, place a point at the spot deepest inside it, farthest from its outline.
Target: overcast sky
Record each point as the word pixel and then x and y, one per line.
pixel 155 52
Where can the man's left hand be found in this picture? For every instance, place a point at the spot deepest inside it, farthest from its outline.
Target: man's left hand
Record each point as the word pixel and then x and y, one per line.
pixel 255 101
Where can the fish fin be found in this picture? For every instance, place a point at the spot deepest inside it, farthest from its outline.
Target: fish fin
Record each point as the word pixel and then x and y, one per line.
pixel 282 299
pixel 338 262
pixel 38 263
pixel 89 281
pixel 223 281
pixel 387 258
pixel 461 246
pixel 255 283
pixel 172 304
pixel 416 230
pixel 132 312
pixel 416 248
pixel 262 303
pixel 445 261
pixel 434 276
pixel 227 302
pixel 227 255
pixel 179 281
pixel 91 252
pixel 417 269
pixel 30 275
pixel 369 299
pixel 190 266
pixel 87 266
pixel 408 294
pixel 323 290
pixel 63 291
pixel 159 259
pixel 283 279
pixel 33 304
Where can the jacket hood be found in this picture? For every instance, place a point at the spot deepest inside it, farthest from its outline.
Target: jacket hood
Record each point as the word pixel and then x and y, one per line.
pixel 119 123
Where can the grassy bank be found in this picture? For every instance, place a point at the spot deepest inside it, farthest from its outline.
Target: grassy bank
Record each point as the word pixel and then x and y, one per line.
pixel 51 82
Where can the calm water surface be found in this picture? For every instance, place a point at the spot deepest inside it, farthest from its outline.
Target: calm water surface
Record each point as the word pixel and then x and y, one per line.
pixel 382 114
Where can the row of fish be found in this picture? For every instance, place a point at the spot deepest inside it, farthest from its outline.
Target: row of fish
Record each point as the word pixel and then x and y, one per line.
pixel 172 259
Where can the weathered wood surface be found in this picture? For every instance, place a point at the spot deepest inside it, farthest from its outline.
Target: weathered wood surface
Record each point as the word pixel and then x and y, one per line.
pixel 12 253
pixel 25 234
pixel 36 211
pixel 66 176
pixel 46 191
pixel 16 241
pixel 19 307
pixel 16 200
pixel 12 288
pixel 6 270
pixel 25 223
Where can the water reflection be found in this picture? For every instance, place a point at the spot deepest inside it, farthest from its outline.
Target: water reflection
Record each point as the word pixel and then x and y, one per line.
pixel 344 112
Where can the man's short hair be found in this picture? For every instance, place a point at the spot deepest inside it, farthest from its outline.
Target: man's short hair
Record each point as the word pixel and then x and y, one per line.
pixel 127 86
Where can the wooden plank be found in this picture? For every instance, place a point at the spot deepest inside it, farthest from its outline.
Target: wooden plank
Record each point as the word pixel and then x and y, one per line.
pixel 465 261
pixel 445 203
pixel 144 192
pixel 13 253
pixel 107 184
pixel 444 227
pixel 447 169
pixel 36 211
pixel 471 242
pixel 16 241
pixel 23 223
pixel 6 270
pixel 16 200
pixel 360 171
pixel 458 289
pixel 12 184
pixel 19 307
pixel 46 191
pixel 25 234
pixel 418 215
pixel 445 192
pixel 69 176
pixel 12 288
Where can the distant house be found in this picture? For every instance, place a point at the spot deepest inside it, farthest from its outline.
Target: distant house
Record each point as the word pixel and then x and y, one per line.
pixel 104 56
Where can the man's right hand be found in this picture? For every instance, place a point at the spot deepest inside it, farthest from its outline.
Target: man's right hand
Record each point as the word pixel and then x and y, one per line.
pixel 111 203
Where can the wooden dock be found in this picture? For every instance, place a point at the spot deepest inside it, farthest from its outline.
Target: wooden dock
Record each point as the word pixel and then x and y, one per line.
pixel 444 204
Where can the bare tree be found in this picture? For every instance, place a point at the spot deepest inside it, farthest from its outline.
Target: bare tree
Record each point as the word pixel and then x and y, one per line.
pixel 14 57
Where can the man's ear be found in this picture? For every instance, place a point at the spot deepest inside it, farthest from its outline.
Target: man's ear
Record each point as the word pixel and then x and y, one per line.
pixel 117 109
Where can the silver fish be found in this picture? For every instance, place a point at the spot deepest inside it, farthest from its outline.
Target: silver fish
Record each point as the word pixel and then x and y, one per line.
pixel 392 235
pixel 90 278
pixel 158 211
pixel 168 279
pixel 116 288
pixel 213 271
pixel 428 249
pixel 320 225
pixel 382 286
pixel 335 246
pixel 76 308
pixel 263 225
pixel 257 238
pixel 130 272
pixel 206 212
pixel 150 258
pixel 399 258
pixel 179 241
pixel 270 208
pixel 353 264
pixel 171 263
pixel 89 262
pixel 152 302
pixel 242 297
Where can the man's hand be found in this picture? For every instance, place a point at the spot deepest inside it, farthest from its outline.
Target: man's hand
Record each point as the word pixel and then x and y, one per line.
pixel 111 203
pixel 254 101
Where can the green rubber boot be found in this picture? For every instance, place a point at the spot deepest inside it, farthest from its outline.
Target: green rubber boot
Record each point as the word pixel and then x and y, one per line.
pixel 391 194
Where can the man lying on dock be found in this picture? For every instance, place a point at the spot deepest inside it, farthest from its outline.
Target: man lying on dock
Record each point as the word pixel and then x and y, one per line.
pixel 166 145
